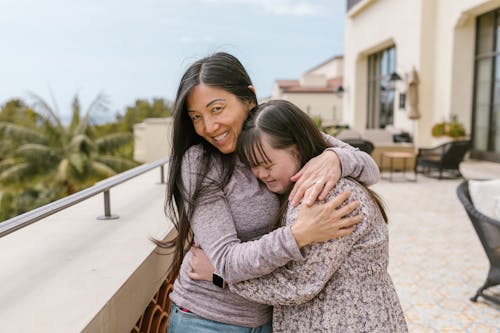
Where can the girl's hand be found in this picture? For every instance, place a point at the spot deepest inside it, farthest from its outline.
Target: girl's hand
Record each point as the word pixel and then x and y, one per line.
pixel 316 179
pixel 323 222
pixel 201 267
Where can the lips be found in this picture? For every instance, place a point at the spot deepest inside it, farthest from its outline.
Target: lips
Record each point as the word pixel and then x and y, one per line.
pixel 219 138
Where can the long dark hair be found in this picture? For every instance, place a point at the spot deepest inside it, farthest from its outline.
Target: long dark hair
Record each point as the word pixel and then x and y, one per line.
pixel 223 71
pixel 286 126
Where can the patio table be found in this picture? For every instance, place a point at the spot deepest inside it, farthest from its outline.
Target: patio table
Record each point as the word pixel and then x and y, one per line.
pixel 393 155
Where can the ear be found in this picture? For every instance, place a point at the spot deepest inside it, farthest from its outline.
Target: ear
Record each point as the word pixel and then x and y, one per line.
pixel 252 88
pixel 295 152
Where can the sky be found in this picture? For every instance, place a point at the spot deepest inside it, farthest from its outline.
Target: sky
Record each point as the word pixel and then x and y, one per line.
pixel 139 49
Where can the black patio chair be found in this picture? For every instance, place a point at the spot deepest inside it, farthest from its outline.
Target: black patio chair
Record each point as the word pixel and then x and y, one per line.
pixel 445 157
pixel 363 145
pixel 488 231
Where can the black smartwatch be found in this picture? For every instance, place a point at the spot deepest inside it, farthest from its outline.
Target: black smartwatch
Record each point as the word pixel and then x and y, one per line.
pixel 218 281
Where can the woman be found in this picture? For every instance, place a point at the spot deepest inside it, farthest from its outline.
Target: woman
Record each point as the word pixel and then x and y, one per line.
pixel 214 200
pixel 342 285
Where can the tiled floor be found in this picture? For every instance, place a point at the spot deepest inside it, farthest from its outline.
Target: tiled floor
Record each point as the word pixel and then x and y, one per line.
pixel 436 260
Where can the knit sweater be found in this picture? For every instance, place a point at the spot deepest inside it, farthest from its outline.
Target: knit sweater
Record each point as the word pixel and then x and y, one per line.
pixel 232 228
pixel 341 285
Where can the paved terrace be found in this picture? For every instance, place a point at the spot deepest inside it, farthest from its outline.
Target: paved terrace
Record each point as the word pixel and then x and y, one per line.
pixel 436 260
pixel 72 273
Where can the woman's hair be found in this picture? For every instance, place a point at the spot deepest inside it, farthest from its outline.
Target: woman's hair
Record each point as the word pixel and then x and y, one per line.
pixel 223 71
pixel 286 126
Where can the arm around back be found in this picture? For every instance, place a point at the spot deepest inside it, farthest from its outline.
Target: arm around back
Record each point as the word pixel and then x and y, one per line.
pixel 218 221
pixel 300 281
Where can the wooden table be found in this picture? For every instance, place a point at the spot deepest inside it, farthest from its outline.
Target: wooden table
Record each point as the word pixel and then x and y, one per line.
pixel 393 155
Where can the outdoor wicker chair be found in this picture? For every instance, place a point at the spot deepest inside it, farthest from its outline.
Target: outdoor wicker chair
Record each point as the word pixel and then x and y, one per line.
pixel 363 145
pixel 488 231
pixel 445 157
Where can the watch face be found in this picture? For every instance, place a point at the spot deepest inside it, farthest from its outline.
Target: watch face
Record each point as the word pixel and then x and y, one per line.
pixel 217 280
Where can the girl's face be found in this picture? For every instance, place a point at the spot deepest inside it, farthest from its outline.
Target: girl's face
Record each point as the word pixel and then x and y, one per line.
pixel 217 116
pixel 282 165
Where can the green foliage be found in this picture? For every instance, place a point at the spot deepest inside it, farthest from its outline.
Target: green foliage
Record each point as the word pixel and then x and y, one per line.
pixel 318 121
pixel 43 160
pixel 143 109
pixel 452 128
pixel 16 112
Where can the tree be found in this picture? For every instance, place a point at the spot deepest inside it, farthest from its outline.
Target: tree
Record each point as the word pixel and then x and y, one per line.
pixel 47 154
pixel 142 109
pixel 17 112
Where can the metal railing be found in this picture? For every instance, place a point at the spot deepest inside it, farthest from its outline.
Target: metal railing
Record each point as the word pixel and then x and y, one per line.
pixel 352 3
pixel 104 187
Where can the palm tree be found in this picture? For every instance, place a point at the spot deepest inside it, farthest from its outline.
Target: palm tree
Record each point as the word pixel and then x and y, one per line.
pixel 62 158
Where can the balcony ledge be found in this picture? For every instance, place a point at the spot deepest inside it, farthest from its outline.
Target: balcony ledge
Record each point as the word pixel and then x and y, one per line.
pixel 71 272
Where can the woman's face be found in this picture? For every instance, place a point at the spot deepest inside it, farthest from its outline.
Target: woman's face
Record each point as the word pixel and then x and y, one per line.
pixel 217 116
pixel 282 165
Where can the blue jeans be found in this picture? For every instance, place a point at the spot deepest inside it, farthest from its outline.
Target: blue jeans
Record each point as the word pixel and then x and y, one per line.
pixel 188 322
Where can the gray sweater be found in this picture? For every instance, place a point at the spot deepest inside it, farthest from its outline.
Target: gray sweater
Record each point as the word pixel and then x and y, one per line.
pixel 232 229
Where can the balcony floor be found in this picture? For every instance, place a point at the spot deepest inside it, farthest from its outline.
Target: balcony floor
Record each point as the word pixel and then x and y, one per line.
pixel 436 260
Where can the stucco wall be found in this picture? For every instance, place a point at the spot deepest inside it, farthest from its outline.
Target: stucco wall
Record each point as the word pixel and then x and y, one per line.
pixel 362 39
pixel 326 105
pixel 332 69
pixel 437 37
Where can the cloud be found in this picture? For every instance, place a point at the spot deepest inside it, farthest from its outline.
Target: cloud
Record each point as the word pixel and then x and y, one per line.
pixel 278 7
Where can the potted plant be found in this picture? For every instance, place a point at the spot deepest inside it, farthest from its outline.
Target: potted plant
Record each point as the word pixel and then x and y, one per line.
pixel 452 129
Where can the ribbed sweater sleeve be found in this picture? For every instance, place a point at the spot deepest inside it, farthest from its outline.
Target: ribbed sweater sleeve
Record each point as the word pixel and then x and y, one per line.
pixel 215 232
pixel 355 163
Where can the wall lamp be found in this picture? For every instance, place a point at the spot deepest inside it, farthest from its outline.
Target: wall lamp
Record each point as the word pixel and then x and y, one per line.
pixel 395 77
pixel 339 90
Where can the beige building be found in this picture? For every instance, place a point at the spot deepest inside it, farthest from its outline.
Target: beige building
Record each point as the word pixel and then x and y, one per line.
pixel 152 139
pixel 317 91
pixel 454 46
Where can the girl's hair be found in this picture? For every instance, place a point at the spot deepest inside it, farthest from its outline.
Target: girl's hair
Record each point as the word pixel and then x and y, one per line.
pixel 223 71
pixel 285 125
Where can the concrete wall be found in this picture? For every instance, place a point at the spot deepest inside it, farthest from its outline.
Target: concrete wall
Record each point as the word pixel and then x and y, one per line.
pixel 436 37
pixel 70 272
pixel 152 139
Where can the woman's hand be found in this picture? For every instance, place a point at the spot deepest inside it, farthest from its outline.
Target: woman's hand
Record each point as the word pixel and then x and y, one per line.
pixel 316 179
pixel 201 267
pixel 323 222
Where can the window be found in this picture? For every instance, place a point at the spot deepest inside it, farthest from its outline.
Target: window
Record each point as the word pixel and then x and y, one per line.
pixel 381 90
pixel 486 108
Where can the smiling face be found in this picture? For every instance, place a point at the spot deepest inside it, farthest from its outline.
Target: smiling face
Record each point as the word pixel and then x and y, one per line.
pixel 280 165
pixel 217 116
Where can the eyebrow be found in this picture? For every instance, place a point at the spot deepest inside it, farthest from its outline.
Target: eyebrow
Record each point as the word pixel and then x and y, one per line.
pixel 214 101
pixel 210 103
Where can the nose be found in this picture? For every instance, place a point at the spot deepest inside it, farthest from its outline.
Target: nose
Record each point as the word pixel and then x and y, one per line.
pixel 211 125
pixel 261 173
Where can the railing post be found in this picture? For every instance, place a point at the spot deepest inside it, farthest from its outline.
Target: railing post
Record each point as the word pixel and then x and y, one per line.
pixel 162 174
pixel 107 208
